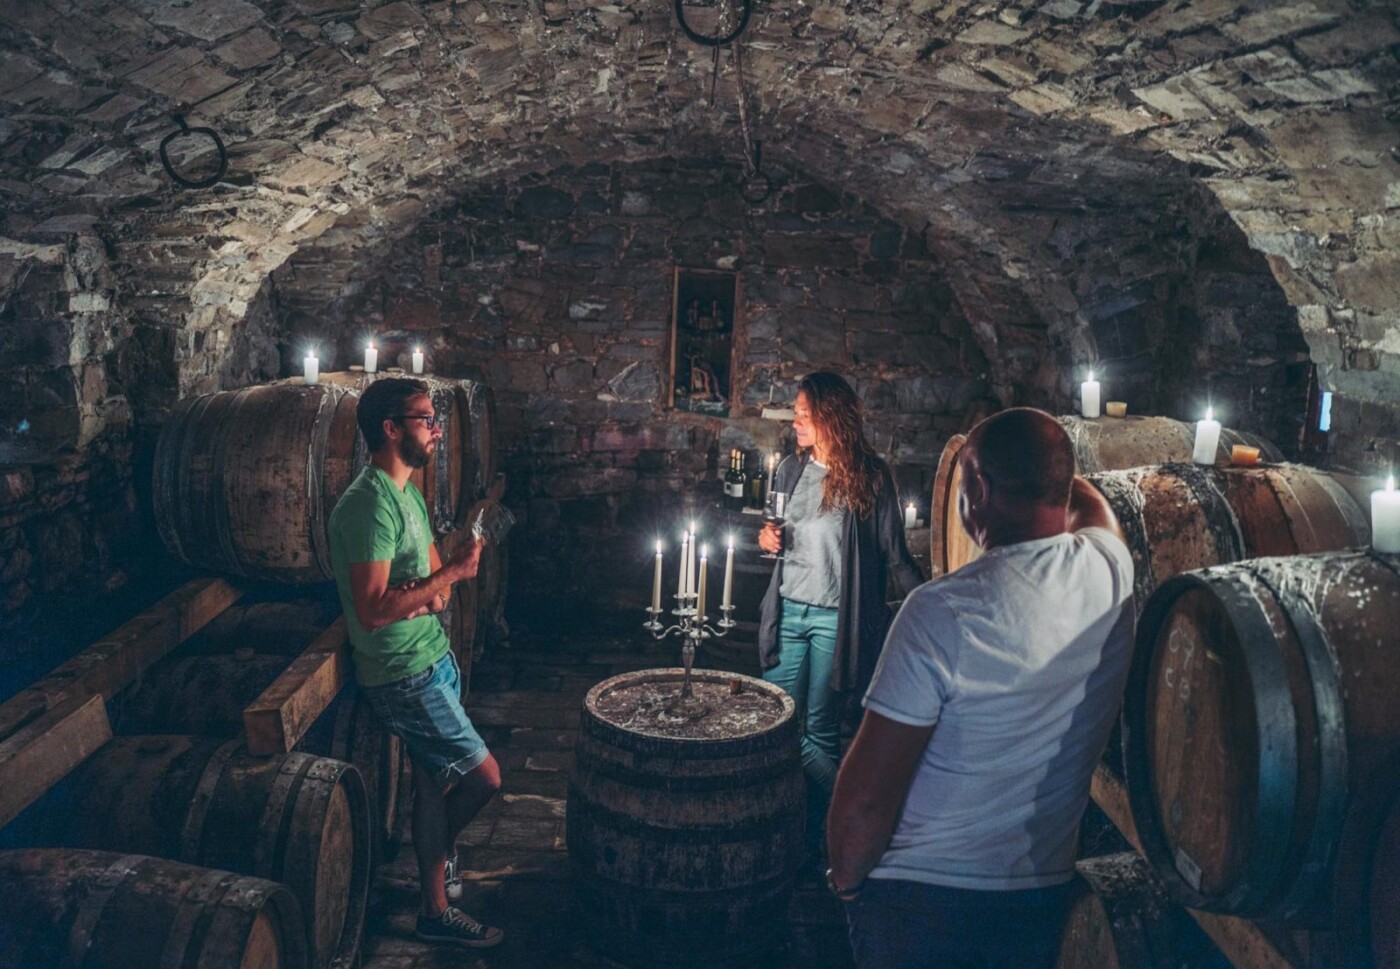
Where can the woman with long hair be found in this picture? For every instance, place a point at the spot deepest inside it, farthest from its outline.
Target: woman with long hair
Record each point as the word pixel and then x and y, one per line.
pixel 824 616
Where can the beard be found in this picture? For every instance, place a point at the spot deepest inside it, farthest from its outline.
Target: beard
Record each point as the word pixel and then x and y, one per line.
pixel 416 455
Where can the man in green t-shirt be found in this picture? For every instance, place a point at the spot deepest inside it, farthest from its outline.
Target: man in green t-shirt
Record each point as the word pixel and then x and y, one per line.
pixel 392 583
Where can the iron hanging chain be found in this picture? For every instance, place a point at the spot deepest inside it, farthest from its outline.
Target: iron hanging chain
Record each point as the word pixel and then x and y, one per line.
pixel 757 186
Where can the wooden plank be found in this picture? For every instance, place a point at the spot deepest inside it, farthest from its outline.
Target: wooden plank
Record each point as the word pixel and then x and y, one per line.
pixel 280 717
pixel 1246 944
pixel 43 751
pixel 116 660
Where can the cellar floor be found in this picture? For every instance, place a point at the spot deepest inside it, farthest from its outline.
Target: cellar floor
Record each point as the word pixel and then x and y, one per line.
pixel 525 699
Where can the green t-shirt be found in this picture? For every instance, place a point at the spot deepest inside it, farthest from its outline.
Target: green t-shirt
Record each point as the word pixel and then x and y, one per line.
pixel 375 522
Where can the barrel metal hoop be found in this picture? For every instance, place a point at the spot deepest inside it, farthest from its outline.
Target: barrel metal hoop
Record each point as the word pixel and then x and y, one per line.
pixel 91 908
pixel 276 822
pixel 1355 517
pixel 234 562
pixel 191 915
pixel 1204 485
pixel 315 477
pixel 1333 799
pixel 170 442
pixel 192 835
pixel 579 806
pixel 644 780
pixel 1275 726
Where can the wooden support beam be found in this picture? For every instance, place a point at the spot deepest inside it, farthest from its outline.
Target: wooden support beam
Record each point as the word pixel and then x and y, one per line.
pixel 116 660
pixel 1248 945
pixel 277 720
pixel 42 752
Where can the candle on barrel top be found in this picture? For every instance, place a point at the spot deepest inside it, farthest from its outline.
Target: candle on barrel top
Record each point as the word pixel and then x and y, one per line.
pixel 704 568
pixel 371 358
pixel 727 599
pixel 656 580
pixel 1089 397
pixel 418 362
pixel 1385 518
pixel 1207 439
pixel 911 516
pixel 311 368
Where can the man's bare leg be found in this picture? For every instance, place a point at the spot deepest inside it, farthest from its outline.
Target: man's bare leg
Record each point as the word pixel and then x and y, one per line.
pixel 438 817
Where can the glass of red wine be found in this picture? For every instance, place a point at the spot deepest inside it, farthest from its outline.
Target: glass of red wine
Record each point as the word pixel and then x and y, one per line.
pixel 774 507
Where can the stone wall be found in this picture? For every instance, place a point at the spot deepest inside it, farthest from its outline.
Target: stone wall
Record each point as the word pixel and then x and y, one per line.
pixel 559 291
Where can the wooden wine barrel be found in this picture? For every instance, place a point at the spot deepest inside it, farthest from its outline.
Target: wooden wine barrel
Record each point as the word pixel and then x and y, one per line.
pixel 94 909
pixel 295 819
pixel 1261 741
pixel 1124 920
pixel 244 481
pixel 1179 517
pixel 685 831
pixel 281 627
pixel 206 695
pixel 1105 444
pixel 481 406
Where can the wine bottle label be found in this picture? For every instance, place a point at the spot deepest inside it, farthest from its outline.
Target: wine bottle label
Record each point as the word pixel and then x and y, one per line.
pixel 733 489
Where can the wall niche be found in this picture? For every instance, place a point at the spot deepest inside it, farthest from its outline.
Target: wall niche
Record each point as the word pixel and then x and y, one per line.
pixel 703 310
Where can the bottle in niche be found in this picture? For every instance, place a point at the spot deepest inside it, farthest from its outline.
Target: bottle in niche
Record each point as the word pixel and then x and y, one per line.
pixel 758 485
pixel 734 484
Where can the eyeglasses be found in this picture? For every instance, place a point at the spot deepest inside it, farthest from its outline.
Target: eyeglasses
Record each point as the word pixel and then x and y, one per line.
pixel 430 421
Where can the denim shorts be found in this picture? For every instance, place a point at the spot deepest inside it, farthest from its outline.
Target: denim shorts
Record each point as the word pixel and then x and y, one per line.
pixel 425 711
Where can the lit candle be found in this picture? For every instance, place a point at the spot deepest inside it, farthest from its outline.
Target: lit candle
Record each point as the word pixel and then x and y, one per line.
pixel 682 581
pixel 1207 439
pixel 417 359
pixel 371 358
pixel 911 515
pixel 727 600
pixel 772 469
pixel 656 580
pixel 1089 397
pixel 704 563
pixel 310 368
pixel 1385 518
pixel 690 558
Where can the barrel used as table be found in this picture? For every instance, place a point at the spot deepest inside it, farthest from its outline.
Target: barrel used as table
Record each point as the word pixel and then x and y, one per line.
pixel 1101 444
pixel 244 481
pixel 685 820
pixel 295 819
pixel 94 909
pixel 1262 742
pixel 1124 920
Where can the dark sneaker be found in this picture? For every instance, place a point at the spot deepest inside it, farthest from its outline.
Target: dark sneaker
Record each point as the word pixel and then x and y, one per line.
pixel 452 878
pixel 458 928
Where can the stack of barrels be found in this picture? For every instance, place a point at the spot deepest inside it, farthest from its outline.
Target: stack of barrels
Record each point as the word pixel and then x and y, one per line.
pixel 1261 738
pixel 269 858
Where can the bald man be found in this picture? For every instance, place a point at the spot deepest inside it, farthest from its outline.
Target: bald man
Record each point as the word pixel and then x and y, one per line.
pixel 953 829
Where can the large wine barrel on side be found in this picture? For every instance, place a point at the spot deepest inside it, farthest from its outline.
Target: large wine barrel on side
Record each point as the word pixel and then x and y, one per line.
pixel 685 849
pixel 1179 517
pixel 1105 444
pixel 1261 740
pixel 94 909
pixel 1124 920
pixel 295 819
pixel 281 626
pixel 244 481
pixel 206 695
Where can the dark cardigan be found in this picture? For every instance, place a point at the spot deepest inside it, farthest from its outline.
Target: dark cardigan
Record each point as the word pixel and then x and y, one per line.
pixel 872 550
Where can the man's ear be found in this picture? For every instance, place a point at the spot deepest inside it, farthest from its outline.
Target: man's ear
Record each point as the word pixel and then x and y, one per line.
pixel 391 429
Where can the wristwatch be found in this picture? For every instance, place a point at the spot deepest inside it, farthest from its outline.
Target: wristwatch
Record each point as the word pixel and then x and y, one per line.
pixel 844 894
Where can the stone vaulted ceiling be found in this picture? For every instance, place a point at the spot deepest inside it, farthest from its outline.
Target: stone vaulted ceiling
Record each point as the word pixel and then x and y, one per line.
pixel 1051 151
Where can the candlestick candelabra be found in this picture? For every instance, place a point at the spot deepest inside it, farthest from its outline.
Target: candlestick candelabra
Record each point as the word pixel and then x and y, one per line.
pixel 692 629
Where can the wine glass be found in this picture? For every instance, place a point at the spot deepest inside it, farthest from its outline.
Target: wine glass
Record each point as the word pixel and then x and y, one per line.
pixel 774 507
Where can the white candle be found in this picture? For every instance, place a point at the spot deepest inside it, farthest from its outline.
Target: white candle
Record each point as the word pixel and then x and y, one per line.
pixel 1207 439
pixel 371 358
pixel 682 580
pixel 1385 519
pixel 704 568
pixel 690 558
pixel 418 361
pixel 1089 397
pixel 656 580
pixel 911 515
pixel 727 599
pixel 311 369
pixel 772 469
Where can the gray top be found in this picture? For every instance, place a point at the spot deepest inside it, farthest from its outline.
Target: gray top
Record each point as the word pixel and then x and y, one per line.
pixel 812 570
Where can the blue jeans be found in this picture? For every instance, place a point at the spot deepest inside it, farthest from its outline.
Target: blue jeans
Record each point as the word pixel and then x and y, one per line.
pixel 896 924
pixel 807 649
pixel 424 710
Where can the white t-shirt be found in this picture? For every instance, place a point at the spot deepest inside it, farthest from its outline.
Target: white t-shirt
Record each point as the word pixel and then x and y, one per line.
pixel 1020 658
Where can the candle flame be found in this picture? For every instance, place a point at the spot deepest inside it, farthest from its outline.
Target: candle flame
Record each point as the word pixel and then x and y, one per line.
pixel 658 546
pixel 369 345
pixel 911 506
pixel 704 551
pixel 731 542
pixel 1091 376
pixel 417 349
pixel 1390 483
pixel 692 527
pixel 311 354
pixel 1210 414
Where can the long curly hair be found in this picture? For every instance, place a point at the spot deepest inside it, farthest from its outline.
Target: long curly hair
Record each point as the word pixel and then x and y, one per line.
pixel 853 468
